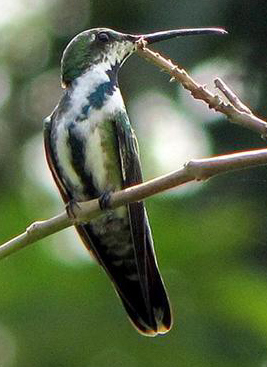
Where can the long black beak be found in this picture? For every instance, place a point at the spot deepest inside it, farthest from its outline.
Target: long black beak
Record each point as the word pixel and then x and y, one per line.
pixel 164 35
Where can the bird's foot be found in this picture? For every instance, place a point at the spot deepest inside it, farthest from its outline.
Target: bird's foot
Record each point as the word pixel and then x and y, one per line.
pixel 104 200
pixel 71 207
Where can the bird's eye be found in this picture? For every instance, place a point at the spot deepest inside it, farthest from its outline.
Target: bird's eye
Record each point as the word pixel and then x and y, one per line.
pixel 103 37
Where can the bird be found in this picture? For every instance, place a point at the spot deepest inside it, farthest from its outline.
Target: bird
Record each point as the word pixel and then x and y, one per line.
pixel 92 151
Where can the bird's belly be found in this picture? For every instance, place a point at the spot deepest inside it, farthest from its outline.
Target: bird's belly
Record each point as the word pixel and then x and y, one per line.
pixel 88 158
pixel 102 159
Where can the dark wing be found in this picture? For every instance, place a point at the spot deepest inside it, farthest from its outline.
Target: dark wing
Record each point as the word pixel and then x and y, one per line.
pixel 132 175
pixel 50 159
pixel 152 286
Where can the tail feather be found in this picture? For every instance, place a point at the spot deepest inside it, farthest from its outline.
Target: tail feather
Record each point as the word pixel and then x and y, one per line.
pixel 158 295
pixel 160 318
pixel 150 313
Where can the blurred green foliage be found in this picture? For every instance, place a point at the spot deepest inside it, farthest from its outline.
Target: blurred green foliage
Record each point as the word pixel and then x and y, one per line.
pixel 57 308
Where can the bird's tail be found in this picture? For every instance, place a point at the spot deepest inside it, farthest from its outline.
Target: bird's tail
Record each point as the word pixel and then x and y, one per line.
pixel 134 273
pixel 152 317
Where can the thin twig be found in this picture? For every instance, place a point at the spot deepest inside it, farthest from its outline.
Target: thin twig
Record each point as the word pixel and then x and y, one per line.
pixel 199 170
pixel 235 114
pixel 231 96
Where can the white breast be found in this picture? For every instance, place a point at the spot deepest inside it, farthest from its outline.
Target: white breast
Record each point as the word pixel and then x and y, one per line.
pixel 93 133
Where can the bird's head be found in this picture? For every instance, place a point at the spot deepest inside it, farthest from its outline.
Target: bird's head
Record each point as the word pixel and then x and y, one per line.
pixel 111 49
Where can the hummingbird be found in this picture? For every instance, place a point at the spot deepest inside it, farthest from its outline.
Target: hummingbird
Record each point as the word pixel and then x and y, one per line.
pixel 91 150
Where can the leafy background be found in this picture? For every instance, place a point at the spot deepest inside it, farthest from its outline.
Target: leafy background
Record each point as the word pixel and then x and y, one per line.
pixel 57 308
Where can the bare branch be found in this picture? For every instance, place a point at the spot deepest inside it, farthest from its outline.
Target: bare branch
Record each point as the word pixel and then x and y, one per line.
pixel 199 170
pixel 235 110
pixel 231 96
